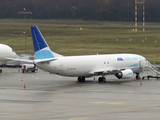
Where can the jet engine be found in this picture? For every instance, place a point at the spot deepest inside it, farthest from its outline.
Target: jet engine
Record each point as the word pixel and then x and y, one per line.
pixel 124 74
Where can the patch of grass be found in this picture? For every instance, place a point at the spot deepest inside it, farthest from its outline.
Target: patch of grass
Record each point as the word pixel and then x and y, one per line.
pixel 66 38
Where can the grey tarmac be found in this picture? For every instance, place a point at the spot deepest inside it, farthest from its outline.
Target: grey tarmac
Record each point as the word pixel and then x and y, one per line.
pixel 51 97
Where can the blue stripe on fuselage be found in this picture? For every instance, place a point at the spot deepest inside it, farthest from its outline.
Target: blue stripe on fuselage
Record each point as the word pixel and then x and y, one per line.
pixel 134 65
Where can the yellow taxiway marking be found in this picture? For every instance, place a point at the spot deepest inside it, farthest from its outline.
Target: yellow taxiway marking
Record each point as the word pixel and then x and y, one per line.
pixel 110 103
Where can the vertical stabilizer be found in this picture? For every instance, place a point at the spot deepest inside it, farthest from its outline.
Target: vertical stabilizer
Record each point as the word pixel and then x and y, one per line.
pixel 41 48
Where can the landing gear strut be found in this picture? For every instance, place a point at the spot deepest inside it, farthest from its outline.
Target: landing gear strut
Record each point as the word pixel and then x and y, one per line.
pixel 101 79
pixel 138 76
pixel 81 79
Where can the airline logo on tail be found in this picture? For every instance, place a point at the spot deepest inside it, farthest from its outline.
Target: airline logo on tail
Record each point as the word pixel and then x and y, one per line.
pixel 41 48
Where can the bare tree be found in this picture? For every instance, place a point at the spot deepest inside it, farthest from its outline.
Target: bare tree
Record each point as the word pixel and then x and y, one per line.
pixel 73 11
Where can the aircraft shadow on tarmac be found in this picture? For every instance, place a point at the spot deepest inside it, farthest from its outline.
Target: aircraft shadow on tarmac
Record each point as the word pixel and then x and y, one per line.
pixel 73 84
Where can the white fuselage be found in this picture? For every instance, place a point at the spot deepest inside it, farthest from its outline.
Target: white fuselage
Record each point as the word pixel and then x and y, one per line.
pixel 86 66
pixel 6 52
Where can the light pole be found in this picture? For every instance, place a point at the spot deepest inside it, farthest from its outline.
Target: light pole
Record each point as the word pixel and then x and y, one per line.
pixel 25 12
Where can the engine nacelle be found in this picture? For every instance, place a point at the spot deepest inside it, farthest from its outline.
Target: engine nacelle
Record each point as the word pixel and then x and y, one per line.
pixel 124 74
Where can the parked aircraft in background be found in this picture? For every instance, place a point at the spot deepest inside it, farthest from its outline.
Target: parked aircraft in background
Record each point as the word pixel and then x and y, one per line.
pixel 6 52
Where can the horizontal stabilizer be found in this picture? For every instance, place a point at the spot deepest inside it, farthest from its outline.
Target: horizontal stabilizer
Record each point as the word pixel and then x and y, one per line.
pixel 21 60
pixel 32 61
pixel 44 60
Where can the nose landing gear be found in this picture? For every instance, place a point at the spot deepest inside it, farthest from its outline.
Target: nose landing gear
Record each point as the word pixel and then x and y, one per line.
pixel 138 76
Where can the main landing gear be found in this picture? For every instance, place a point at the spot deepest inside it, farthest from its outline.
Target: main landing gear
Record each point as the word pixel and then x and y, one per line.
pixel 81 79
pixel 101 79
pixel 0 70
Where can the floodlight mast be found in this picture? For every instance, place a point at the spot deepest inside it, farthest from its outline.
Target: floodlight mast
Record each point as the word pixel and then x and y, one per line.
pixel 25 12
pixel 139 2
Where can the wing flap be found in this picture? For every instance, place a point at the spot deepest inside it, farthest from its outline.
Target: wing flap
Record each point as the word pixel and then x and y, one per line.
pixel 104 72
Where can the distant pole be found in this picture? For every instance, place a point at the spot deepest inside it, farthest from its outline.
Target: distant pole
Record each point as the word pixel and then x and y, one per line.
pixel 25 32
pixel 25 12
pixel 135 15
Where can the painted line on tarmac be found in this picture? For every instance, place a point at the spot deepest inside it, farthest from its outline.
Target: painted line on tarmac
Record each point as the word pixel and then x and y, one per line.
pixel 7 113
pixel 35 77
pixel 95 90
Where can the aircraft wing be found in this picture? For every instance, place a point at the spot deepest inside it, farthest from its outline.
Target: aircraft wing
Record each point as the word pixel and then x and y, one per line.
pixel 105 72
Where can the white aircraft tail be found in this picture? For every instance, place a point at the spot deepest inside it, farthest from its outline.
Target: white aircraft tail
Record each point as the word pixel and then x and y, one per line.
pixel 41 48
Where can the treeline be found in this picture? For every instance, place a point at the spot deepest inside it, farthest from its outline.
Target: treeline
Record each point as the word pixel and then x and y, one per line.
pixel 109 10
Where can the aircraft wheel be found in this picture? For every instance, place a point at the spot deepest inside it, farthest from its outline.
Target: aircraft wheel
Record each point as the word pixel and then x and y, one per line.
pixel 100 79
pixel 0 70
pixel 104 79
pixel 23 71
pixel 81 79
pixel 138 76
pixel 78 79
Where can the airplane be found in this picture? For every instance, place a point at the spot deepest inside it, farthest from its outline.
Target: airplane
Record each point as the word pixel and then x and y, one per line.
pixel 5 52
pixel 123 66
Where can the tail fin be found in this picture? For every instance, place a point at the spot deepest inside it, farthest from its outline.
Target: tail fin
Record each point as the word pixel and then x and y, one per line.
pixel 41 48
